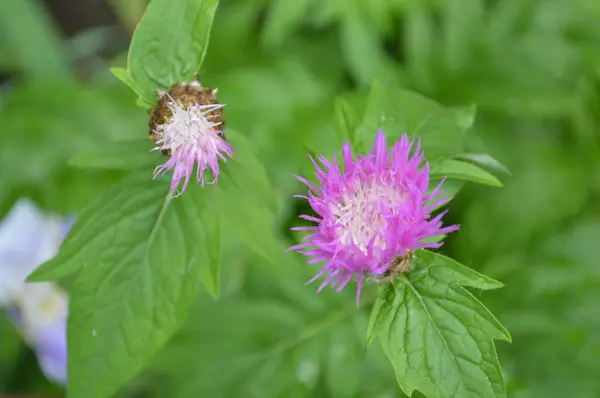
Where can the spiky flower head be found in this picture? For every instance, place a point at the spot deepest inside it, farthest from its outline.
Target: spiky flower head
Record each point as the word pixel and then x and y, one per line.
pixel 371 214
pixel 187 125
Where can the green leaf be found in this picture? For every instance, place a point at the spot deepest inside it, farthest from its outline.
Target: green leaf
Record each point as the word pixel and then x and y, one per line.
pixel 464 171
pixel 399 111
pixel 140 259
pixel 118 155
pixel 123 75
pixel 437 335
pixel 169 45
pixel 246 172
pixel 484 161
pixel 211 275
pixel 247 200
pixel 252 222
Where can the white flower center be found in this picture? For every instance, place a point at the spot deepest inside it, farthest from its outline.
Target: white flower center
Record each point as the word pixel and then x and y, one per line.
pixel 189 127
pixel 359 213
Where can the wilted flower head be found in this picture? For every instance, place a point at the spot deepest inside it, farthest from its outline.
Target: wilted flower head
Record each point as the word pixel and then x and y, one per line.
pixel 371 214
pixel 38 310
pixel 187 125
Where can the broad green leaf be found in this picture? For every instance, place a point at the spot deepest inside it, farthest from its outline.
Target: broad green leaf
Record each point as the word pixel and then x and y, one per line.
pixel 399 111
pixel 118 155
pixel 140 259
pixel 211 275
pixel 437 335
pixel 247 199
pixel 169 44
pixel 246 172
pixel 464 171
pixel 252 222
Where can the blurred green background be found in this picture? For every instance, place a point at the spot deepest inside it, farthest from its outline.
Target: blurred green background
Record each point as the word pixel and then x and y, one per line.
pixel 532 68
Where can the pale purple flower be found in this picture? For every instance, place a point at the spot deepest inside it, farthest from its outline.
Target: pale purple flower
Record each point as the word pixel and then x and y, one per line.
pixel 28 237
pixel 51 350
pixel 40 313
pixel 193 137
pixel 370 213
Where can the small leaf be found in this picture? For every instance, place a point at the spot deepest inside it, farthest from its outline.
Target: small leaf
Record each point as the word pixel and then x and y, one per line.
pixel 140 259
pixel 169 44
pixel 399 111
pixel 118 155
pixel 464 171
pixel 123 75
pixel 437 335
pixel 484 161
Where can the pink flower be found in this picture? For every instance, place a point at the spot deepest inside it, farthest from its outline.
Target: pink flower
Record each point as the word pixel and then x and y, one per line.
pixel 192 136
pixel 371 215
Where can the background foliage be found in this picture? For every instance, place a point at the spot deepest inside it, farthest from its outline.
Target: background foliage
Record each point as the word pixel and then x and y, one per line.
pixel 532 68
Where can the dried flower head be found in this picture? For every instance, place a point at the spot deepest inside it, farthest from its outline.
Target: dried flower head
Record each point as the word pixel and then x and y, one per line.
pixel 187 125
pixel 371 215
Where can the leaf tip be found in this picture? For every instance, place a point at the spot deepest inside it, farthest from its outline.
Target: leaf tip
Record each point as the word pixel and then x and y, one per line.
pixel 369 340
pixel 492 284
pixel 38 275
